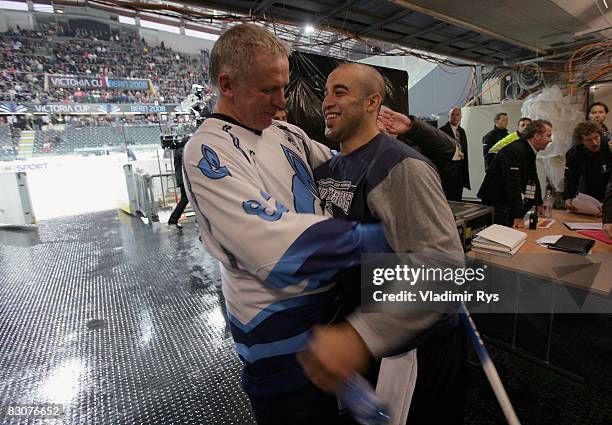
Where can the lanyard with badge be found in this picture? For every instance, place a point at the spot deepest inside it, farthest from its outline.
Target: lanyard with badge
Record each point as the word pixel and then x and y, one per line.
pixel 530 190
pixel 458 150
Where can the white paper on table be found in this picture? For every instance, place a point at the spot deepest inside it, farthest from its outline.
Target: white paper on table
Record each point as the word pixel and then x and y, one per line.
pixel 584 226
pixel 586 204
pixel 548 240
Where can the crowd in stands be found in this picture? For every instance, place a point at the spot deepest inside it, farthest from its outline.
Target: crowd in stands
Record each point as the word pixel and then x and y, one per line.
pixel 89 49
pixel 26 55
pixel 40 122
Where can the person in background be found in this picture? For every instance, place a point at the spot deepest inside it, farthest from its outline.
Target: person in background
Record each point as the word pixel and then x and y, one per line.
pixel 456 175
pixel 588 164
pixel 499 132
pixel 130 153
pixel 597 113
pixel 511 184
pixel 182 203
pixel 512 137
pixel 280 115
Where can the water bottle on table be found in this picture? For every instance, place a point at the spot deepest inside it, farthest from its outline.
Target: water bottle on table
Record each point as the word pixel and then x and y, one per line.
pixel 533 219
pixel 548 203
pixel 358 396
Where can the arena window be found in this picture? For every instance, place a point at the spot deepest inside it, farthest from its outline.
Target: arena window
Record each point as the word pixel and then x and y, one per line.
pixel 127 20
pixel 160 27
pixel 13 5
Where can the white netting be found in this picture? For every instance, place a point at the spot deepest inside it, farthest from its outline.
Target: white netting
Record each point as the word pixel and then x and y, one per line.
pixel 550 104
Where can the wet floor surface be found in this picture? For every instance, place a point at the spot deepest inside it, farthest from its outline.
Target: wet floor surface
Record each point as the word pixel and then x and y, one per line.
pixel 115 322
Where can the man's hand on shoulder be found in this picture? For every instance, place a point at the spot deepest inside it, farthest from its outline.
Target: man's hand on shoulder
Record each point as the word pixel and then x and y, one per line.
pixel 333 354
pixel 392 122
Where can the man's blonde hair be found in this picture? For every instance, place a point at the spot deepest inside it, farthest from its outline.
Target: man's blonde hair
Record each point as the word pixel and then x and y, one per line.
pixel 236 49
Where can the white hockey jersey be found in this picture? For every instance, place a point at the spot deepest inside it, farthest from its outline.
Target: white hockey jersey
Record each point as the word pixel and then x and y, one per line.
pixel 246 187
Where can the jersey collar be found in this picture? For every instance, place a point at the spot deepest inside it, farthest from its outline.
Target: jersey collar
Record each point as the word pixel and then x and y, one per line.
pixel 229 119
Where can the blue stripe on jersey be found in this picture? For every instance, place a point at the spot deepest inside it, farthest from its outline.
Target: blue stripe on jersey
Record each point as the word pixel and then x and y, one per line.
pixel 278 348
pixel 305 192
pixel 279 279
pixel 292 321
pixel 324 249
pixel 282 305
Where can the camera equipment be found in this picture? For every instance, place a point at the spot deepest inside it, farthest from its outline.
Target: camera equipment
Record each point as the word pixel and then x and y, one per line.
pixel 198 103
pixel 173 141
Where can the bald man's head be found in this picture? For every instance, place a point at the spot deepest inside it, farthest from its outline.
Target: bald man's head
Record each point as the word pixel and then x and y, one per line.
pixel 353 96
pixel 454 116
pixel 370 80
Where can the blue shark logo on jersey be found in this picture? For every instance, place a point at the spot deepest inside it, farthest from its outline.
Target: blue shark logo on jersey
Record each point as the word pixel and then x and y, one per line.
pixel 304 189
pixel 254 207
pixel 210 164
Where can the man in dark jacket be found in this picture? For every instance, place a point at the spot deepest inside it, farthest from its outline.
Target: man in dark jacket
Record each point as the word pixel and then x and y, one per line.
pixel 178 173
pixel 499 132
pixel 512 137
pixel 587 164
pixel 456 175
pixel 511 184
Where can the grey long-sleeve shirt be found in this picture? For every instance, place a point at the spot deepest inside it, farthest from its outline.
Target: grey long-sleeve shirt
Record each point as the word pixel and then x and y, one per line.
pixel 389 182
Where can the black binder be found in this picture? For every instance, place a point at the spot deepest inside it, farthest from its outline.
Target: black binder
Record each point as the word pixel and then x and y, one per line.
pixel 572 244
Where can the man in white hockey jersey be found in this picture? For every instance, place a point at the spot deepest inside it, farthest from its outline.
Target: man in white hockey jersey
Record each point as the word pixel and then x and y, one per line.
pixel 250 181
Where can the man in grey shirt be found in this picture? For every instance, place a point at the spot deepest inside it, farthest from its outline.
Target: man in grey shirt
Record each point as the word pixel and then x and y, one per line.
pixel 377 179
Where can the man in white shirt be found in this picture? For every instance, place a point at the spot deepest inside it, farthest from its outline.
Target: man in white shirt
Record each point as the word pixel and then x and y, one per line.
pixel 456 175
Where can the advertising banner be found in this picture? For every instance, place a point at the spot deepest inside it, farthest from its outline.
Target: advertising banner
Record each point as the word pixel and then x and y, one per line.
pixel 96 83
pixel 11 108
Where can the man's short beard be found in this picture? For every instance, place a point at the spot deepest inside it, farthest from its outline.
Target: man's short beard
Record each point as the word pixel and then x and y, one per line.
pixel 337 138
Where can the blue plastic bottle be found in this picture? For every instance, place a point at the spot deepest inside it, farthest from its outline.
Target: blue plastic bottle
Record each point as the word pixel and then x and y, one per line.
pixel 358 396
